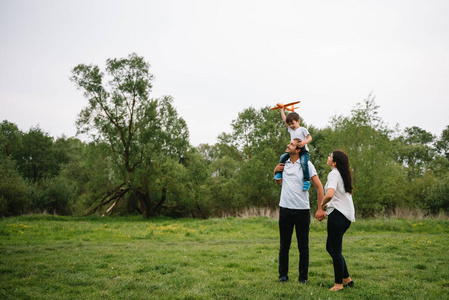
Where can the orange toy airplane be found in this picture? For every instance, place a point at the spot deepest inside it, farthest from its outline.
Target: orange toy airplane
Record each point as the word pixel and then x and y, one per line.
pixel 288 106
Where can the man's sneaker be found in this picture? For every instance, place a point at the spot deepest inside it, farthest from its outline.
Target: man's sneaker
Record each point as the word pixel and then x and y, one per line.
pixel 278 176
pixel 283 279
pixel 306 186
pixel 303 282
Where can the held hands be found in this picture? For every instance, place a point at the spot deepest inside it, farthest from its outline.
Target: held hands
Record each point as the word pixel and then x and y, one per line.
pixel 320 215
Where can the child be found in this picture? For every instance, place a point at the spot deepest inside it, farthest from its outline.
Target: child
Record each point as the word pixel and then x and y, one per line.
pixel 296 131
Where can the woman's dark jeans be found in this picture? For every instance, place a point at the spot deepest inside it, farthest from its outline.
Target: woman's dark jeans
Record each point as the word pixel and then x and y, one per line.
pixel 300 220
pixel 337 224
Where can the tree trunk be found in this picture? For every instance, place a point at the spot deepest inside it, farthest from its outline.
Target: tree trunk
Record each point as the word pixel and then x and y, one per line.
pixel 133 205
pixel 161 202
pixel 149 209
pixel 145 204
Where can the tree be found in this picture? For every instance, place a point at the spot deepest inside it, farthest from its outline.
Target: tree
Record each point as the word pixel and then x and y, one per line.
pixel 378 179
pixel 10 138
pixel 35 156
pixel 138 130
pixel 415 151
pixel 14 190
pixel 244 160
pixel 442 144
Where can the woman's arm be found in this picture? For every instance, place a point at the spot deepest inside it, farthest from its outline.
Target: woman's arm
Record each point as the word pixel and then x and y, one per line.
pixel 328 197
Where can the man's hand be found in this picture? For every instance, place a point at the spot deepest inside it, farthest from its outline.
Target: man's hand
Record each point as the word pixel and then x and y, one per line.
pixel 279 168
pixel 320 215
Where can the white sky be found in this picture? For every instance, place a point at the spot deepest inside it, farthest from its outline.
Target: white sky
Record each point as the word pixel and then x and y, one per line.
pixel 217 58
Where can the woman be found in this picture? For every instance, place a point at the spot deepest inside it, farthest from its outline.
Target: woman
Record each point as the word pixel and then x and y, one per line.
pixel 340 210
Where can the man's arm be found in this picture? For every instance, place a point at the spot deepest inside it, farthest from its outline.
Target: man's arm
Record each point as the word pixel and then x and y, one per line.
pixel 320 213
pixel 279 168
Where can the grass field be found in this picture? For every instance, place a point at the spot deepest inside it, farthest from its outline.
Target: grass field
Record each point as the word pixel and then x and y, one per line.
pixel 53 257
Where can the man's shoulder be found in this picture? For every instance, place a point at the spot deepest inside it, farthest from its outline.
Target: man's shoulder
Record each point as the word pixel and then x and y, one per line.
pixel 312 168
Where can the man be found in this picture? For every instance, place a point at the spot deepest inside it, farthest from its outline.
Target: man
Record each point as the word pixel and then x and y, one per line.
pixel 294 211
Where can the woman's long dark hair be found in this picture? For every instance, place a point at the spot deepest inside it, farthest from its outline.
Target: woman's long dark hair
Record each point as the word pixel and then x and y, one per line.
pixel 342 161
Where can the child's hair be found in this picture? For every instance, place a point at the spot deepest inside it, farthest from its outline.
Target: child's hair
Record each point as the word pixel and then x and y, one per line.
pixel 291 117
pixel 342 161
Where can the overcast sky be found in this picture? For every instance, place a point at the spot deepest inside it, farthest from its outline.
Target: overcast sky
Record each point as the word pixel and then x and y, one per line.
pixel 217 58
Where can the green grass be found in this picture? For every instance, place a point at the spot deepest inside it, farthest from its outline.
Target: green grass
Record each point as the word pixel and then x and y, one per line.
pixel 51 257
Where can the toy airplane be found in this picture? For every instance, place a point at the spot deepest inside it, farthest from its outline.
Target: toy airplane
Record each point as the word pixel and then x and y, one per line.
pixel 288 106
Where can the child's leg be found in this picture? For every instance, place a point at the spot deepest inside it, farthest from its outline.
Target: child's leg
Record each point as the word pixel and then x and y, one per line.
pixel 304 159
pixel 284 157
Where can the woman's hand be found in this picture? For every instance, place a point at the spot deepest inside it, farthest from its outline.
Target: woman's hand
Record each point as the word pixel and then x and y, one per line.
pixel 320 215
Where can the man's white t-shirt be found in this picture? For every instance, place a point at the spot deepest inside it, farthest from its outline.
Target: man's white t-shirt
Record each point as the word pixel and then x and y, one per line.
pixel 292 195
pixel 341 201
pixel 299 133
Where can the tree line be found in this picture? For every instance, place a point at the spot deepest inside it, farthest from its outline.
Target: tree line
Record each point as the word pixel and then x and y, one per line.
pixel 139 160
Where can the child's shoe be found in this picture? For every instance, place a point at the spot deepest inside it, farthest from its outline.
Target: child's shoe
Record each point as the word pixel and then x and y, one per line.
pixel 306 186
pixel 278 176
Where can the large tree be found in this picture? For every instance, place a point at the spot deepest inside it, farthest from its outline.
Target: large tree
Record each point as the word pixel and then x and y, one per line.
pixel 378 179
pixel 415 151
pixel 141 132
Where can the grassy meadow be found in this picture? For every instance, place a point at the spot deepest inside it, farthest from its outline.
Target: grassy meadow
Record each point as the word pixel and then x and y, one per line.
pixel 54 257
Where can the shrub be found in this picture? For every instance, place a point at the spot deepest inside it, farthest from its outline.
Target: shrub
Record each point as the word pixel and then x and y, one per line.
pixel 437 196
pixel 14 190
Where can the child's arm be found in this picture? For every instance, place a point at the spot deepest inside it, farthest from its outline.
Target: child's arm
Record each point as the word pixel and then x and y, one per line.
pixel 283 116
pixel 308 140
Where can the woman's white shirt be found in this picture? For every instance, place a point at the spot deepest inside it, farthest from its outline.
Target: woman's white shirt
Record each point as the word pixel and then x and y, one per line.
pixel 341 201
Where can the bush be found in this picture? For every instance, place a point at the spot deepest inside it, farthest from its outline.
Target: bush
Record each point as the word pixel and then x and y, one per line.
pixel 54 195
pixel 14 190
pixel 437 196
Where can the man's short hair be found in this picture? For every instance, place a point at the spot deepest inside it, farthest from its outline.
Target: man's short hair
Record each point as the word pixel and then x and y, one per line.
pixel 303 149
pixel 292 117
pixel 297 142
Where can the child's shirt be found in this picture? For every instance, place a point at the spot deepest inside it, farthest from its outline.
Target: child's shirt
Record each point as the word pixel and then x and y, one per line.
pixel 300 133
